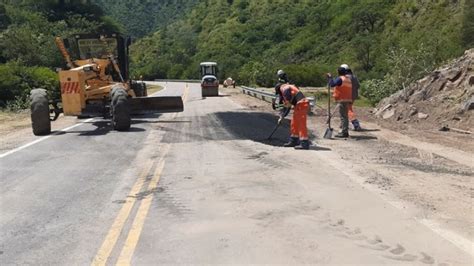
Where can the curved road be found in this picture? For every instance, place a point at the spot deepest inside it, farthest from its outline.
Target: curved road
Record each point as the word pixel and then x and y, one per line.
pixel 199 187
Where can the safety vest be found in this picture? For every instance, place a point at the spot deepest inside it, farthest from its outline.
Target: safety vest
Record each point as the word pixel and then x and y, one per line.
pixel 343 93
pixel 296 95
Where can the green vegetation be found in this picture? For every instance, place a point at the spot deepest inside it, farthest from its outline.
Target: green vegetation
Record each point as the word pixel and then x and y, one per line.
pixel 141 17
pixel 467 27
pixel 252 39
pixel 16 81
pixel 28 54
pixel 387 43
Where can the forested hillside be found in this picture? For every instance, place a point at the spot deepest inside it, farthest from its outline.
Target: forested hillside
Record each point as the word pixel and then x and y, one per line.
pixel 141 17
pixel 387 42
pixel 28 55
pixel 252 39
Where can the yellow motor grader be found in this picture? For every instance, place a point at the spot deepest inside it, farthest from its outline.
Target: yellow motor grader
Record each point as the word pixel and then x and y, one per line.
pixel 97 83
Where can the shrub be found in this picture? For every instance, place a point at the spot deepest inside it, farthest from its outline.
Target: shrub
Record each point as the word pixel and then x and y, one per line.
pixel 16 82
pixel 307 74
pixel 405 68
pixel 377 89
pixel 18 104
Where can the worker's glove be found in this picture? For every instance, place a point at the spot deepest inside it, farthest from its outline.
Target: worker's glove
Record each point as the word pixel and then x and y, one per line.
pixel 278 106
pixel 280 119
pixel 328 75
pixel 284 111
pixel 277 103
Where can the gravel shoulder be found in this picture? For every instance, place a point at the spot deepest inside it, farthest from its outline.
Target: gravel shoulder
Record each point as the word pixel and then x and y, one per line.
pixel 437 187
pixel 15 129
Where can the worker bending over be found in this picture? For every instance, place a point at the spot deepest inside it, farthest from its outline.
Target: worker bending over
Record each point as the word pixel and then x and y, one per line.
pixel 289 95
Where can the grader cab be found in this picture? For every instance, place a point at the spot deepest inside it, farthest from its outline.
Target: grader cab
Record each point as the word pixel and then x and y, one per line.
pixel 97 83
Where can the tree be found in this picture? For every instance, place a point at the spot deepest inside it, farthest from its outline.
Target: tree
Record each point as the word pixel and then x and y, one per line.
pixel 364 44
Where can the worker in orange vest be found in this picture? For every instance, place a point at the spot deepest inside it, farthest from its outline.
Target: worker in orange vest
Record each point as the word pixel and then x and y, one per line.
pixel 343 96
pixel 289 95
pixel 355 94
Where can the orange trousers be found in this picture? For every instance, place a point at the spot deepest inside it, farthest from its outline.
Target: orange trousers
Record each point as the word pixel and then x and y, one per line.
pixel 352 115
pixel 298 122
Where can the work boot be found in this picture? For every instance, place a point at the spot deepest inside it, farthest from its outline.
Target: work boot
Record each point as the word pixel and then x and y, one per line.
pixel 342 135
pixel 304 145
pixel 356 125
pixel 292 142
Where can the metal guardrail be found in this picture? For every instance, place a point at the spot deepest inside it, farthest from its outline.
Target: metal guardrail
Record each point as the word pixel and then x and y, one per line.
pixel 262 95
pixel 268 97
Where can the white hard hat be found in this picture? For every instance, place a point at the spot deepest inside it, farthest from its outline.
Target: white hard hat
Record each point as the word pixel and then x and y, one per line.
pixel 345 66
pixel 280 72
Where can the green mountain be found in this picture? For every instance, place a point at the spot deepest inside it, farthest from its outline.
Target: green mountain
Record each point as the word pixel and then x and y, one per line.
pixel 250 40
pixel 388 43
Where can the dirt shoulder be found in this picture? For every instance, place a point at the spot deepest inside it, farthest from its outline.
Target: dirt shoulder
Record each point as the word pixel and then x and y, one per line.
pixel 15 129
pixel 428 170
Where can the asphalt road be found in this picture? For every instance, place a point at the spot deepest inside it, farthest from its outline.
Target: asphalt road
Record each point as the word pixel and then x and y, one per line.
pixel 199 187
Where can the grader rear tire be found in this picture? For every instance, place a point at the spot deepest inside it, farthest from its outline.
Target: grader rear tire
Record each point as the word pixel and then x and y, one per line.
pixel 40 121
pixel 120 109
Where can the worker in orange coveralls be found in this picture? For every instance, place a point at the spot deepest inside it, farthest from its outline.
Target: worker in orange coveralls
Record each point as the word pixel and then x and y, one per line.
pixel 289 95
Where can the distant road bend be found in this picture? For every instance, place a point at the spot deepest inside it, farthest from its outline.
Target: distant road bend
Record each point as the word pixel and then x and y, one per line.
pixel 200 187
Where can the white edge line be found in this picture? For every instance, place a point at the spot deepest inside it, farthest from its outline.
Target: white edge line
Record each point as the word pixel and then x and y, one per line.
pixel 43 138
pixel 461 242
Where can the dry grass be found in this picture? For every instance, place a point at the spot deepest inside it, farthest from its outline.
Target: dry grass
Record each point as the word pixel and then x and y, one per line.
pixel 10 121
pixel 153 88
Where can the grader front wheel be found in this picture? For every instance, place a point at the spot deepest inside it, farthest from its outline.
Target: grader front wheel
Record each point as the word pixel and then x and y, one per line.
pixel 40 120
pixel 120 109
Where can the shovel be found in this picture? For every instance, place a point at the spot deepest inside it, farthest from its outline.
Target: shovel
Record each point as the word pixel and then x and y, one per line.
pixel 328 133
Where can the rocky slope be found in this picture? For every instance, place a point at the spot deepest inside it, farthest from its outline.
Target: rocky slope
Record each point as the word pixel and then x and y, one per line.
pixel 445 98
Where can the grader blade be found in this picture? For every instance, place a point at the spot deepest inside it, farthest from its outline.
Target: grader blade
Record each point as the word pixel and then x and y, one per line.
pixel 162 104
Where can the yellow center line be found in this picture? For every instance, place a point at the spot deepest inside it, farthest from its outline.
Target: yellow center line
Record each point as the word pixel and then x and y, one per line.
pixel 137 226
pixel 114 232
